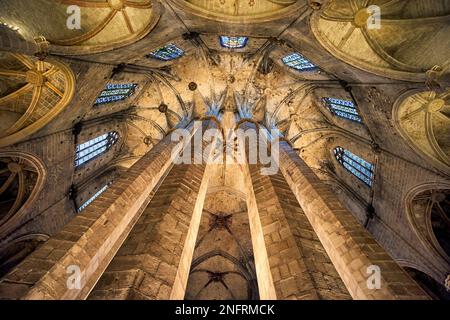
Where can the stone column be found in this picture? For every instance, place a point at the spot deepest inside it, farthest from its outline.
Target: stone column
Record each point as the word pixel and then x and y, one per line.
pixel 354 253
pixel 87 244
pixel 264 277
pixel 155 260
pixel 294 265
pixel 146 265
pixel 299 265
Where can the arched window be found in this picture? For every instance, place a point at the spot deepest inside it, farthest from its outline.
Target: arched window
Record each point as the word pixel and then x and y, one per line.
pixel 233 42
pixel 17 250
pixel 360 168
pixel 439 205
pixel 436 290
pixel 429 212
pixel 298 62
pixel 95 196
pixel 167 53
pixel 343 108
pixel 115 92
pixel 92 148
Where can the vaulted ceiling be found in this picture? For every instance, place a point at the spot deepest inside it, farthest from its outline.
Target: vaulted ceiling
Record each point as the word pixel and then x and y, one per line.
pixel 406 55
pixel 104 25
pixel 255 75
pixel 410 39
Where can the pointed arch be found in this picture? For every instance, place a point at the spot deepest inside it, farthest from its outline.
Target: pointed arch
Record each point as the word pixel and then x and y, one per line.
pixel 22 178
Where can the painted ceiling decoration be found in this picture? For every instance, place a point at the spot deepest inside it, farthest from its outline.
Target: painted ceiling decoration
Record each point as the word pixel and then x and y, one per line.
pixel 104 25
pixel 32 93
pixel 399 47
pixel 423 119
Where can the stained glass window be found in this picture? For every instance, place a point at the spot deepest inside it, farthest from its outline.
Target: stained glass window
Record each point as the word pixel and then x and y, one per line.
pixel 360 168
pixel 343 108
pixel 297 61
pixel 92 148
pixel 167 53
pixel 95 196
pixel 233 42
pixel 116 92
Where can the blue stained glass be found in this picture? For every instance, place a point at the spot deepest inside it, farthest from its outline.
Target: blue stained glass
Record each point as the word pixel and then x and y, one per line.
pixel 359 160
pixel 297 61
pixel 115 92
pixel 92 148
pixel 95 196
pixel 113 86
pixel 167 53
pixel 343 108
pixel 233 42
pixel 360 168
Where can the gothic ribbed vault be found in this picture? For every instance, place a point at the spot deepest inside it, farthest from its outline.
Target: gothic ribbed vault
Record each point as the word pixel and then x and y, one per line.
pixel 88 115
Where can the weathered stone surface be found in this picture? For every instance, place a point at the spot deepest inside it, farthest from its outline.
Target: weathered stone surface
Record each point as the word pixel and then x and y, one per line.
pixel 296 257
pixel 348 245
pixel 156 246
pixel 91 240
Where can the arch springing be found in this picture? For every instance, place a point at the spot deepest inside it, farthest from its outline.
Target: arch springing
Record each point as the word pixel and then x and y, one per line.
pixel 345 109
pixel 360 168
pixel 93 148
